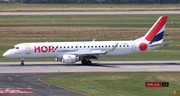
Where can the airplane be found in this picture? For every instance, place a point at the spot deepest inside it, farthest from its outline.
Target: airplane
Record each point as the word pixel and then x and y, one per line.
pixel 72 52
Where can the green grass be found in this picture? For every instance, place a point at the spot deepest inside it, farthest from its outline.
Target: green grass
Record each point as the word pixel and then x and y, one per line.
pixel 87 20
pixel 118 83
pixel 55 6
pixel 6 6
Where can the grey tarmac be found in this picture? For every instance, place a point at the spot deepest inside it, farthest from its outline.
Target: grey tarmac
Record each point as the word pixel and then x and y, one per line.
pixel 90 13
pixel 97 66
pixel 30 82
pixel 14 76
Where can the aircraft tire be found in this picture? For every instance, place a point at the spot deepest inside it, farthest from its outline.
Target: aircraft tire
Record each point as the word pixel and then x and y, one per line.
pixel 84 62
pixel 89 62
pixel 22 64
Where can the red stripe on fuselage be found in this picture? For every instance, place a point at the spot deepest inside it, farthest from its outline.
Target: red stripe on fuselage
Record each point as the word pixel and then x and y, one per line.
pixel 156 28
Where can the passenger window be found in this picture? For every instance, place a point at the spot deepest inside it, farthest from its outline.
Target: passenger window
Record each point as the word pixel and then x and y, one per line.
pixel 84 46
pixel 60 47
pixel 71 46
pixel 64 47
pixel 91 46
pixel 17 47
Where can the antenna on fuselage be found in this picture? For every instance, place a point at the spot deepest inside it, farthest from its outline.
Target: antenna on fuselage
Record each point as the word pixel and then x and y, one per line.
pixel 93 40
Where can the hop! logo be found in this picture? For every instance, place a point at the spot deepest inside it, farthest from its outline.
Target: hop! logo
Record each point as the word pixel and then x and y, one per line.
pixel 45 48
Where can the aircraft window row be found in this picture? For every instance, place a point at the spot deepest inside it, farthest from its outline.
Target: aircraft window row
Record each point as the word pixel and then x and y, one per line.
pixel 93 46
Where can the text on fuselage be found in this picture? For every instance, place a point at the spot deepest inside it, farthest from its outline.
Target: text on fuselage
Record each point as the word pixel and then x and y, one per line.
pixel 45 48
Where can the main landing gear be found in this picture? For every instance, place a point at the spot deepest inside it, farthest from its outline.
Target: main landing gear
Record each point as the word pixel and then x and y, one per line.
pixel 22 61
pixel 86 62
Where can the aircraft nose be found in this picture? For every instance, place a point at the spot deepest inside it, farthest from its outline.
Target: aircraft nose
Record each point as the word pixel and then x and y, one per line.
pixel 6 54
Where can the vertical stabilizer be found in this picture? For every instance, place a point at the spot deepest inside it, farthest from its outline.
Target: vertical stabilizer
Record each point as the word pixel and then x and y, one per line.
pixel 156 32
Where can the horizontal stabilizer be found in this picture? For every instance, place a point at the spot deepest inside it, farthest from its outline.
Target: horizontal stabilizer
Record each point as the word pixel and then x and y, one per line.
pixel 163 44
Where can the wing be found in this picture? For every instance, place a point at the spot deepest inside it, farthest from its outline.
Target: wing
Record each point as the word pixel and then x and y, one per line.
pixel 94 54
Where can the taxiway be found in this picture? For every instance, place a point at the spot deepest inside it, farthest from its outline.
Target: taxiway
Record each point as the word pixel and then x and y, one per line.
pixel 28 84
pixel 97 66
pixel 24 79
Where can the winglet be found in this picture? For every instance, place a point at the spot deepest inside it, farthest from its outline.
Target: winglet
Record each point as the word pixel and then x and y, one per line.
pixel 113 48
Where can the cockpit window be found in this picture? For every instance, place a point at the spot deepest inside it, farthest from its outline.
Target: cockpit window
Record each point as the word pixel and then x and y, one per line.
pixel 14 47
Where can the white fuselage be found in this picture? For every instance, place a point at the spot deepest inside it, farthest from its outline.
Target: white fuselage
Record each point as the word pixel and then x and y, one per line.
pixel 58 49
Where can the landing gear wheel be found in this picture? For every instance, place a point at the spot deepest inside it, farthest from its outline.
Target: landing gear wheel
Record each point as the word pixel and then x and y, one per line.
pixel 89 62
pixel 22 63
pixel 85 62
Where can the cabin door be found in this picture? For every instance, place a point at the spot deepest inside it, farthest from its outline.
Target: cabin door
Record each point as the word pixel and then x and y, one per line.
pixel 28 48
pixel 133 46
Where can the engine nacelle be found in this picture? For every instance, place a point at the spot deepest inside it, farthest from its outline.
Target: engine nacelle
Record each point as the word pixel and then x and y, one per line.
pixel 70 58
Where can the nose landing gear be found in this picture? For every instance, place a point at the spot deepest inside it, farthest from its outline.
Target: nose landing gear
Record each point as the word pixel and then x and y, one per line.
pixel 22 61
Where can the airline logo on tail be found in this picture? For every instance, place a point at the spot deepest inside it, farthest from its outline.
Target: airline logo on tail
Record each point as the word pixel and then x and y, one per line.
pixel 155 33
pixel 157 30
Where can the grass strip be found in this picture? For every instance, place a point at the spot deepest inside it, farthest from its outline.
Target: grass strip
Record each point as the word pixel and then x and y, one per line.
pixel 86 7
pixel 139 21
pixel 118 83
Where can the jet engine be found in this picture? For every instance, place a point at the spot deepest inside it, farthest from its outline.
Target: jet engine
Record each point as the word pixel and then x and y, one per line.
pixel 70 58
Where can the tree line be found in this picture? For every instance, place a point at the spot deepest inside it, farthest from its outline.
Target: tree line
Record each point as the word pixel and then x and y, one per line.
pixel 99 1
